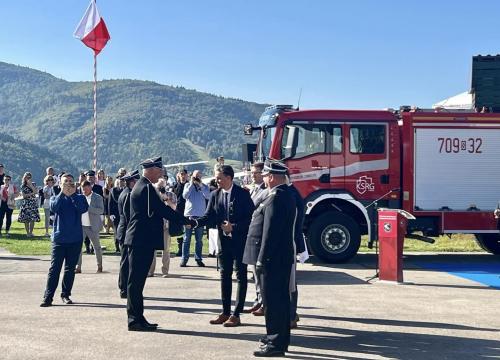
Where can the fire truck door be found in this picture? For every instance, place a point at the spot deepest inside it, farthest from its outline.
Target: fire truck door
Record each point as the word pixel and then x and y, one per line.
pixel 337 155
pixel 367 160
pixel 304 147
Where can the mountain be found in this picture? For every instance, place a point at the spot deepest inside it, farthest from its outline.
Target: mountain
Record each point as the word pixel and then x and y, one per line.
pixel 136 119
pixel 20 156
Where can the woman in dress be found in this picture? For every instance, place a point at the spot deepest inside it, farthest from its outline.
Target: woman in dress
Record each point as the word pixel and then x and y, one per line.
pixel 48 192
pixel 28 213
pixel 101 178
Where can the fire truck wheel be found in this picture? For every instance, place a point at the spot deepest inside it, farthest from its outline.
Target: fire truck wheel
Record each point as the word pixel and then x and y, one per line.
pixel 334 237
pixel 489 242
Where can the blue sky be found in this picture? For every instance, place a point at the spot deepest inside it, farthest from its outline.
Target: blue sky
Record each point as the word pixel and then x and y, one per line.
pixel 343 54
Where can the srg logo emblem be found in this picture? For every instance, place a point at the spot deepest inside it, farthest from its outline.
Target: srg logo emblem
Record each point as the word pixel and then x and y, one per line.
pixel 364 184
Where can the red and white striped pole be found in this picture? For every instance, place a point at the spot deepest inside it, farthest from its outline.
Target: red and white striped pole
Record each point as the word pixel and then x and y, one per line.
pixel 95 112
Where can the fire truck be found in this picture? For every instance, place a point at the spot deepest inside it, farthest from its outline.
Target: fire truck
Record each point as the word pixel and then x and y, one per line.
pixel 442 167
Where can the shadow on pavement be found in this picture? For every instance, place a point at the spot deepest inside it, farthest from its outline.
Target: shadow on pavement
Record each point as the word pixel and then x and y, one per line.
pixel 322 277
pixel 20 258
pixel 388 322
pixel 187 310
pixel 369 261
pixel 192 277
pixel 394 345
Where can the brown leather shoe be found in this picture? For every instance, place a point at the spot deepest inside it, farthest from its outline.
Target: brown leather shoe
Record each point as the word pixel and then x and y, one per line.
pixel 220 319
pixel 259 312
pixel 252 309
pixel 233 321
pixel 78 271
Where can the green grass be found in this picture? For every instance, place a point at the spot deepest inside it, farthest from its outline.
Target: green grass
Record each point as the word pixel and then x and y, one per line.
pixel 19 244
pixel 455 243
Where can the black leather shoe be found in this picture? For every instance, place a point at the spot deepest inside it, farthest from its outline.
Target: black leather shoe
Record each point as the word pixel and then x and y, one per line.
pixel 46 303
pixel 66 300
pixel 123 295
pixel 264 341
pixel 263 346
pixel 141 327
pixel 268 351
pixel 200 263
pixel 148 324
pixel 183 263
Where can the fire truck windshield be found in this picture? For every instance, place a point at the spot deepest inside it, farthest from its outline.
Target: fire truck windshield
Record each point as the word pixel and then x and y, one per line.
pixel 266 139
pixel 267 123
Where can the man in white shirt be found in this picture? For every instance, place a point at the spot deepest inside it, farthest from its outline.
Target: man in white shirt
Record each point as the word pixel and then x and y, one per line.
pixel 92 223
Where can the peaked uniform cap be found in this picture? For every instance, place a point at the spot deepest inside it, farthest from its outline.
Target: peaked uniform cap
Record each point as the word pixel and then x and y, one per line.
pixel 153 162
pixel 272 166
pixel 131 175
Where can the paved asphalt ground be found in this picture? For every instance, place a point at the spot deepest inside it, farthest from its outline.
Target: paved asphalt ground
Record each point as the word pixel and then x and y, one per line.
pixel 434 315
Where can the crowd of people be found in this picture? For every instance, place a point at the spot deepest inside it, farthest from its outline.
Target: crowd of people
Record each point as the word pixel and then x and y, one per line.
pixel 258 228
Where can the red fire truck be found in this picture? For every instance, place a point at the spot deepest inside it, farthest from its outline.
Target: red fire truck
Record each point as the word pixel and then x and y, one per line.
pixel 442 167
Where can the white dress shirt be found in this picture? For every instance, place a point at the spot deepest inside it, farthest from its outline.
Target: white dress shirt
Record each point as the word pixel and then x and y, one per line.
pixel 85 215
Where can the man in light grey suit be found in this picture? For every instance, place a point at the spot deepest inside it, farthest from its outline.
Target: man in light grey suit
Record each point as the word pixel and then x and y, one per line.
pixel 92 223
pixel 258 193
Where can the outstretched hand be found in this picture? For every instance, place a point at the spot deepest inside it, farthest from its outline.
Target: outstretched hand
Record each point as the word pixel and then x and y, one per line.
pixel 192 224
pixel 227 227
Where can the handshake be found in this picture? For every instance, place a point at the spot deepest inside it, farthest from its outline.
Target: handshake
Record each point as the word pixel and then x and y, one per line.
pixel 192 223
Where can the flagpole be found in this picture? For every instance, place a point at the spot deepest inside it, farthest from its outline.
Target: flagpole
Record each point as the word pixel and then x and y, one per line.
pixel 95 112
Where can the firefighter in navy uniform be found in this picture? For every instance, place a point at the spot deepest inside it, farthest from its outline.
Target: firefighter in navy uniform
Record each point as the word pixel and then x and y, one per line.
pixel 124 213
pixel 269 247
pixel 144 235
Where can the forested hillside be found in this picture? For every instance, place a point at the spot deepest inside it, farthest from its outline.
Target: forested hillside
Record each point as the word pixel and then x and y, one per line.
pixel 20 156
pixel 136 119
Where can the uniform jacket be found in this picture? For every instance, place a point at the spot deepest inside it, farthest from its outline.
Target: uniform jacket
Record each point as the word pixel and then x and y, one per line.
pixel 270 235
pixel 124 211
pixel 241 209
pixel 96 209
pixel 299 221
pixel 147 211
pixel 114 195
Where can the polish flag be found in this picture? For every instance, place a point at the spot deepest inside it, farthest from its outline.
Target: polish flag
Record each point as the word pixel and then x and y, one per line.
pixel 92 30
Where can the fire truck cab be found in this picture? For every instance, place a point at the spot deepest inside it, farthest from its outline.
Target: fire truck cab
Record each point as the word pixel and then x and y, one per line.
pixel 346 163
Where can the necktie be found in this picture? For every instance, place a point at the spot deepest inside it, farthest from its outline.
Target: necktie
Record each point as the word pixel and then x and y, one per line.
pixel 226 204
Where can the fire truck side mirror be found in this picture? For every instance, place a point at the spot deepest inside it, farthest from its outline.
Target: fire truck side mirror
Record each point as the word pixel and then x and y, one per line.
pixel 248 129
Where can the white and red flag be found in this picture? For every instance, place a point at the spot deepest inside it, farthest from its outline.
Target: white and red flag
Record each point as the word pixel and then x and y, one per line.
pixel 92 29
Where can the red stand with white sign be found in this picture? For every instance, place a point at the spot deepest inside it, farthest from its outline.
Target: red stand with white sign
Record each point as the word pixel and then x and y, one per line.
pixel 391 234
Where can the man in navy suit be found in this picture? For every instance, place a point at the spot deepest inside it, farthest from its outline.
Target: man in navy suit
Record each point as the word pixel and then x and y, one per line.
pixel 230 209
